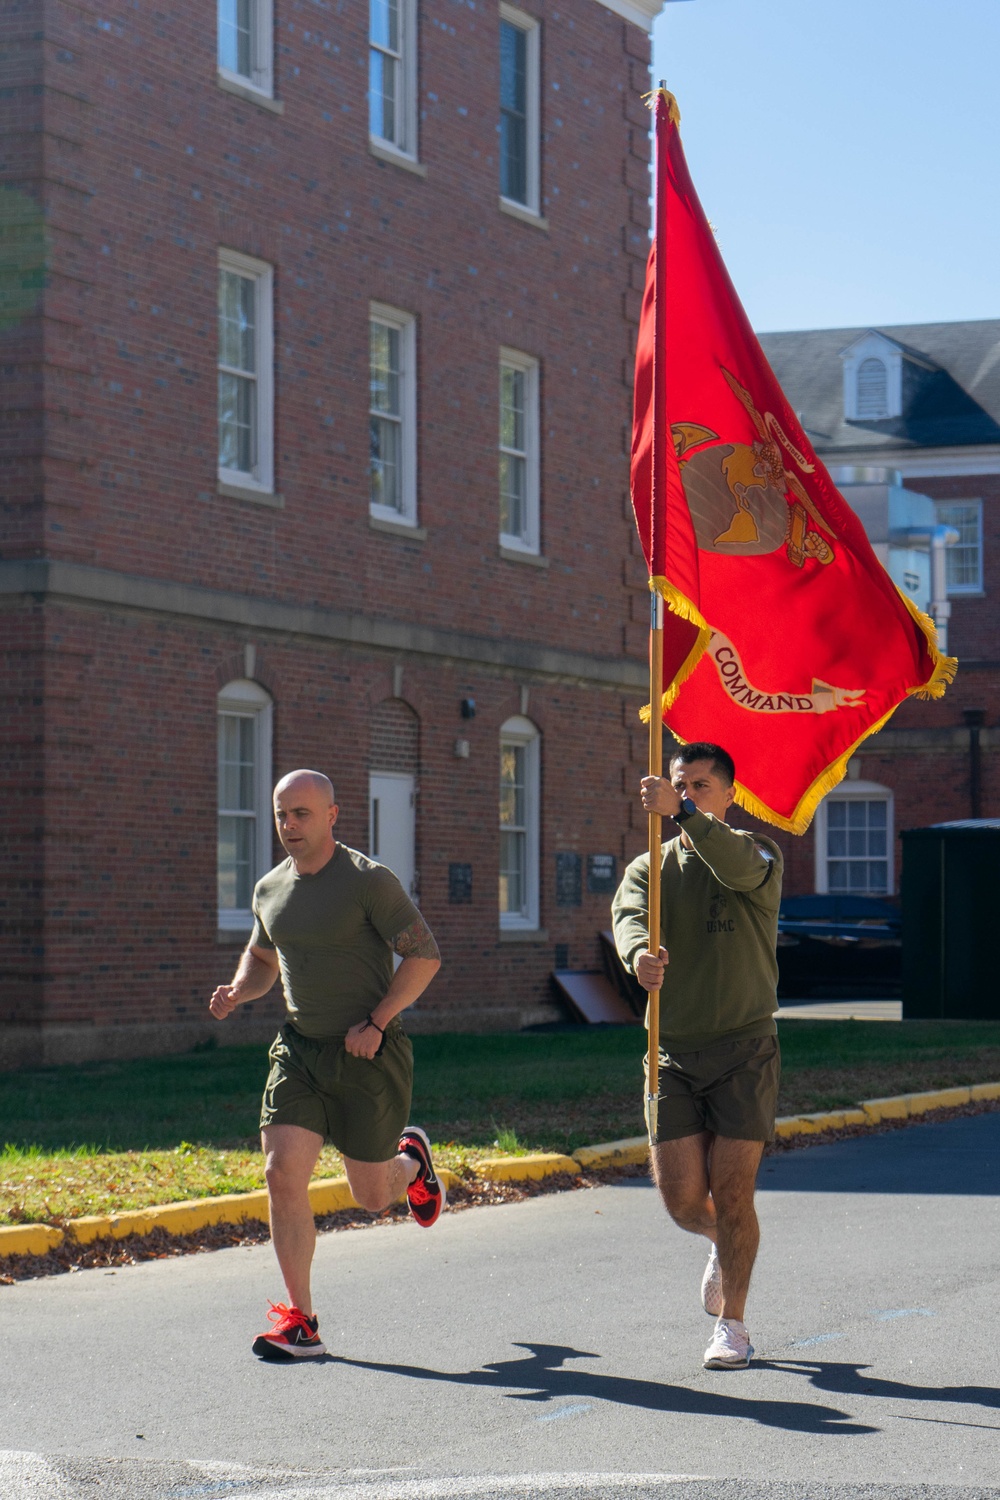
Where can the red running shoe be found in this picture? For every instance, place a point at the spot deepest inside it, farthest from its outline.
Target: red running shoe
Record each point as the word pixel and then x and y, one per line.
pixel 426 1193
pixel 294 1335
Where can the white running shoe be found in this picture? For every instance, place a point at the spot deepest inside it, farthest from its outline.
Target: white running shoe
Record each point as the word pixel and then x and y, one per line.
pixel 730 1348
pixel 711 1285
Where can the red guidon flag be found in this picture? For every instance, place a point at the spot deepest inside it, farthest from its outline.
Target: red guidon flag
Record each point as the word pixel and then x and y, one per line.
pixel 785 639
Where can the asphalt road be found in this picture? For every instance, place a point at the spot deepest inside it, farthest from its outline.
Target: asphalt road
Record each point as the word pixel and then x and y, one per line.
pixel 551 1347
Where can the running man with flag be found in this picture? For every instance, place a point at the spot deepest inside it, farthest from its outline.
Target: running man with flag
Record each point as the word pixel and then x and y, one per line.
pixel 775 629
pixel 718 1058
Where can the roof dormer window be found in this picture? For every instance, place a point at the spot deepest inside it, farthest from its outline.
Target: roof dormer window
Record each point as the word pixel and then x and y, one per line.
pixel 873 378
pixel 873 390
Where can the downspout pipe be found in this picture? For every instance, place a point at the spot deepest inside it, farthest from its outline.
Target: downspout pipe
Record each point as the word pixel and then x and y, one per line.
pixel 937 538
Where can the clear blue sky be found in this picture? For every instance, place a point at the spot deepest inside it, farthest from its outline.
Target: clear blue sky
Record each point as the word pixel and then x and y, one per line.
pixel 846 151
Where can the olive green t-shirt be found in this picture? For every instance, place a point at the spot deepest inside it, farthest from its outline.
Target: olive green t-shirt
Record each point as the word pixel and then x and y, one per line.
pixel 719 920
pixel 332 932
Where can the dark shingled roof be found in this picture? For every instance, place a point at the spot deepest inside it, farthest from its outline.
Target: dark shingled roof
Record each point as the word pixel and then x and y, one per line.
pixel 955 403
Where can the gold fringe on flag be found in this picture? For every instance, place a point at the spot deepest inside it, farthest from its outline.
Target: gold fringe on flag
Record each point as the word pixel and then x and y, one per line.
pixel 679 604
pixel 945 668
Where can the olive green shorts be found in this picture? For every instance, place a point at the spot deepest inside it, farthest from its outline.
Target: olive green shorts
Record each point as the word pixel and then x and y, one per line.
pixel 359 1105
pixel 730 1088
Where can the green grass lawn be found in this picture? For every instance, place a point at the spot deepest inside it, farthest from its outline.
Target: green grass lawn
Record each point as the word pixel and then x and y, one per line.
pixel 105 1136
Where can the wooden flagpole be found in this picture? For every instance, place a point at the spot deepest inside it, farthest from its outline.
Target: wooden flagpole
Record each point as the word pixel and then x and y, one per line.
pixel 661 435
pixel 655 769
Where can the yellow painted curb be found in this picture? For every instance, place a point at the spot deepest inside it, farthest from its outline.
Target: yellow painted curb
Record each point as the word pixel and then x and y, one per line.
pixel 29 1239
pixel 938 1099
pixel 630 1152
pixel 525 1168
pixel 831 1119
pixel 175 1218
pixel 330 1194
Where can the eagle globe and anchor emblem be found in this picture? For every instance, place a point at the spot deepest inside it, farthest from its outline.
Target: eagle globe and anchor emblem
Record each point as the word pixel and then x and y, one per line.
pixel 736 492
pixel 745 502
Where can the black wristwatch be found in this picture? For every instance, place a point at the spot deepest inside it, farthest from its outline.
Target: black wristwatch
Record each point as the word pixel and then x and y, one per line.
pixel 685 810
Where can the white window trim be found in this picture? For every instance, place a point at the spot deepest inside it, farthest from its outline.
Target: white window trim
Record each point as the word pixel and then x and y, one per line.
pixel 407 110
pixel 967 588
pixel 244 696
pixel 532 432
pixel 521 731
pixel 406 324
pixel 261 78
pixel 262 478
pixel 531 26
pixel 865 791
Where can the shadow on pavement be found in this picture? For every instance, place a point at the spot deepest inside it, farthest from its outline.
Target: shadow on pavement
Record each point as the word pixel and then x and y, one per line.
pixel 849 1380
pixel 541 1376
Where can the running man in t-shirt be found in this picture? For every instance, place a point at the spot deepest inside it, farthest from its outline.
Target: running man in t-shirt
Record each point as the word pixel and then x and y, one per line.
pixel 327 919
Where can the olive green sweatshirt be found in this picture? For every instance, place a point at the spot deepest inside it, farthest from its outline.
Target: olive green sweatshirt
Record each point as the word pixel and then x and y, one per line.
pixel 719 921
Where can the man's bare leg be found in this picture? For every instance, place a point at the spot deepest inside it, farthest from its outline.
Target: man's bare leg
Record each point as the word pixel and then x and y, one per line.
pixel 681 1172
pixel 376 1184
pixel 707 1185
pixel 733 1178
pixel 290 1155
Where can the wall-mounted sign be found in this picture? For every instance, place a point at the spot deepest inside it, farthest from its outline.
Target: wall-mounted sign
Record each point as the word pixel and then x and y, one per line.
pixel 602 874
pixel 569 880
pixel 460 885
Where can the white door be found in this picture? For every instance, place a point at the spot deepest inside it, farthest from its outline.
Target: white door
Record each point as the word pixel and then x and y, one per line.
pixel 392 825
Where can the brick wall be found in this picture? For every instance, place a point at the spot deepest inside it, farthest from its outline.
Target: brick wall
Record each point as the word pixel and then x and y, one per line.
pixel 130 932
pixel 146 167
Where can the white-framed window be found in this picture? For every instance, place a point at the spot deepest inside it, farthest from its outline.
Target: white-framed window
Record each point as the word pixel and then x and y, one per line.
pixel 965 559
pixel 392 74
pixel 246 43
pixel 854 841
pixel 520 799
pixel 392 415
pixel 519 452
pixel 246 372
pixel 244 798
pixel 520 57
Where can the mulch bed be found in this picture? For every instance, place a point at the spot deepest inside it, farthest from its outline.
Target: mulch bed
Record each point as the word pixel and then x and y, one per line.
pixel 109 1253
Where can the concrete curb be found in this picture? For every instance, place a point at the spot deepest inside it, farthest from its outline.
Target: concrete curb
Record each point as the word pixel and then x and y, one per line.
pixel 328 1195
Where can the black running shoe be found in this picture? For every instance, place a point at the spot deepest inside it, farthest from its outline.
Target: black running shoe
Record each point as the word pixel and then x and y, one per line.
pixel 294 1335
pixel 426 1194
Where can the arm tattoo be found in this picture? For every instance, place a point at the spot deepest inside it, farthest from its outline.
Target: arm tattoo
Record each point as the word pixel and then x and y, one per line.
pixel 416 941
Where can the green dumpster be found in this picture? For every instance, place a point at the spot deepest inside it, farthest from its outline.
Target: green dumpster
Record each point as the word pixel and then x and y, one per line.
pixel 949 890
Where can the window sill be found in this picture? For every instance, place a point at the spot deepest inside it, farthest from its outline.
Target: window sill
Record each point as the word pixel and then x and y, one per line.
pixel 526 215
pixel 515 554
pixel 396 158
pixel 250 94
pixel 247 492
pixel 523 935
pixel 398 528
pixel 966 594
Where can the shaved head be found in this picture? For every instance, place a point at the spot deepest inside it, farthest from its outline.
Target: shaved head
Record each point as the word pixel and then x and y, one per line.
pixel 304 815
pixel 314 779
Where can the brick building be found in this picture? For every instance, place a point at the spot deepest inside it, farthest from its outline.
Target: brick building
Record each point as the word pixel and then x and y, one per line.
pixel 318 362
pixel 907 419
